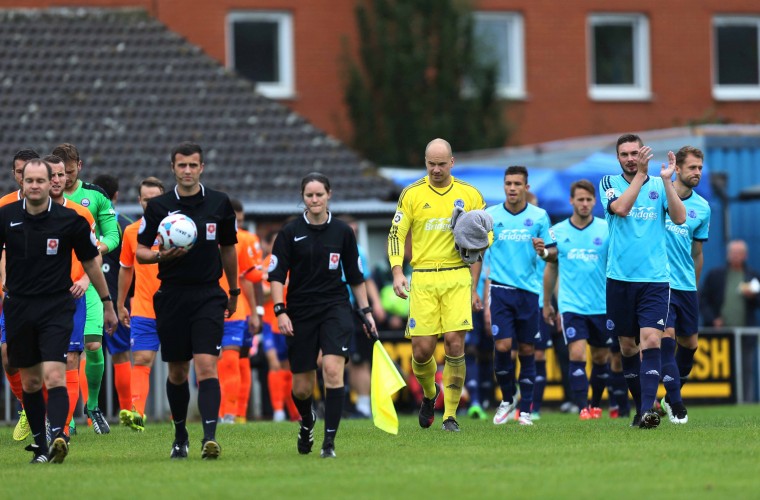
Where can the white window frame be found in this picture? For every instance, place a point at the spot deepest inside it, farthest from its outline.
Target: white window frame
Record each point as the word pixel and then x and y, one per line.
pixel 516 46
pixel 285 88
pixel 641 89
pixel 732 92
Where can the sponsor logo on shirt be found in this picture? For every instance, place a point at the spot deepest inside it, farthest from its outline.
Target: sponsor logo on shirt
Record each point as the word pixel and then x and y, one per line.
pixel 583 254
pixel 643 213
pixel 515 235
pixel 438 224
pixel 678 230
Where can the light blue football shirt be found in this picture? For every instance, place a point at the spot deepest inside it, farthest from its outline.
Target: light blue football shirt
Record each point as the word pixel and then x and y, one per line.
pixel 582 262
pixel 512 256
pixel 637 251
pixel 696 228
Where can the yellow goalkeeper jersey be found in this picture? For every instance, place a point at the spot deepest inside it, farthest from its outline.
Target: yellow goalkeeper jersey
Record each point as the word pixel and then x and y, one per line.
pixel 426 211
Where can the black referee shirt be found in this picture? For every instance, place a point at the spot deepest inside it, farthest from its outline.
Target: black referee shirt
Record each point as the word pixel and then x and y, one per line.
pixel 215 220
pixel 38 247
pixel 316 255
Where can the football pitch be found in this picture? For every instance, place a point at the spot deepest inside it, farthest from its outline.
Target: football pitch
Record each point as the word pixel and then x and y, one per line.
pixel 715 455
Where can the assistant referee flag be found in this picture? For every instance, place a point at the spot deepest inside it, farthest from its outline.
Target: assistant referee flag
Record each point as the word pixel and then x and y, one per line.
pixel 386 381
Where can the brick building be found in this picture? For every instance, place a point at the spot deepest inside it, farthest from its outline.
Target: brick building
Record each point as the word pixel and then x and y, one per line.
pixel 570 69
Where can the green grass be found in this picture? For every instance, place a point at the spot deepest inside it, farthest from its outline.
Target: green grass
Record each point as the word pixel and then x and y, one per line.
pixel 717 455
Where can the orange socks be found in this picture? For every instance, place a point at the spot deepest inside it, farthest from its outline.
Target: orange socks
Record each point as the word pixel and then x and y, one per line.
pixel 15 383
pixel 244 367
pixel 72 388
pixel 276 388
pixel 83 376
pixel 229 381
pixel 288 388
pixel 140 386
pixel 122 374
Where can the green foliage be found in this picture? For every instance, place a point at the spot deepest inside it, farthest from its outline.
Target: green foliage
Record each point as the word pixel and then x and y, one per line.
pixel 418 76
pixel 715 455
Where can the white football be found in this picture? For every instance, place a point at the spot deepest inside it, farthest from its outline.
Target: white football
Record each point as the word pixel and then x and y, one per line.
pixel 177 231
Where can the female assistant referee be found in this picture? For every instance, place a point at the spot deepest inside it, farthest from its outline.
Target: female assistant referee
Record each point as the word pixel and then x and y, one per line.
pixel 311 252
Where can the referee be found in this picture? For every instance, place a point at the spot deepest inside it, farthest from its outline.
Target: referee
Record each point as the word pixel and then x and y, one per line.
pixel 190 305
pixel 39 236
pixel 310 252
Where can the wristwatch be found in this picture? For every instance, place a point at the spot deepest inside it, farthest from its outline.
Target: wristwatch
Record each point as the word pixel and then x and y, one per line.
pixel 279 308
pixel 106 298
pixel 234 292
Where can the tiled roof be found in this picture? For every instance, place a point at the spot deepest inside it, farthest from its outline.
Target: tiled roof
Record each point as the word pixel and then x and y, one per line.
pixel 124 89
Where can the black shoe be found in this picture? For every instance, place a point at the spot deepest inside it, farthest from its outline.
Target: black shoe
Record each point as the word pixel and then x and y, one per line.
pixel 306 436
pixel 328 449
pixel 210 450
pixel 680 415
pixel 427 409
pixel 636 420
pixel 40 457
pixel 59 449
pixel 99 422
pixel 451 425
pixel 650 419
pixel 179 450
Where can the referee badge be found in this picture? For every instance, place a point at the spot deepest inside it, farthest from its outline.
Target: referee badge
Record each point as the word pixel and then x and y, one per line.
pixel 211 231
pixel 52 246
pixel 334 261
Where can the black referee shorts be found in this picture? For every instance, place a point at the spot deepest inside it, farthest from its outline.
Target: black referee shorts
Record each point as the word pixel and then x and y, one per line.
pixel 319 327
pixel 38 328
pixel 189 320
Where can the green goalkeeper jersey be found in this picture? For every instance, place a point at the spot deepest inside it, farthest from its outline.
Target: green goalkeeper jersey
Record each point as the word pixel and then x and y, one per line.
pixel 94 199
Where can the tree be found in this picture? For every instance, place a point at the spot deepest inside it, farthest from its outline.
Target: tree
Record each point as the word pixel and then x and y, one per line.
pixel 419 76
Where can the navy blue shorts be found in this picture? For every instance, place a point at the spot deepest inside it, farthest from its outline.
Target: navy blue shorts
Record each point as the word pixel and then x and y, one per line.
pixel 632 306
pixel 683 314
pixel 591 328
pixel 477 337
pixel 545 331
pixel 514 314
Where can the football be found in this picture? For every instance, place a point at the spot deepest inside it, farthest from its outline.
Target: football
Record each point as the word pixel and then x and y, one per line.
pixel 177 231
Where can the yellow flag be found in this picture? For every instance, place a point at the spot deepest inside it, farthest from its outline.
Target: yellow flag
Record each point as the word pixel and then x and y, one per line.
pixel 386 380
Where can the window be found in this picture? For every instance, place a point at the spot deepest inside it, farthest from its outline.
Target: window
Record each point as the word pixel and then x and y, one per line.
pixel 619 57
pixel 500 41
pixel 260 48
pixel 736 60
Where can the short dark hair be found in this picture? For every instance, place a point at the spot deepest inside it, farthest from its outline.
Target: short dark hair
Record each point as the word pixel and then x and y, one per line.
pixel 52 159
pixel 627 138
pixel 187 148
pixel 25 155
pixel 582 184
pixel 38 161
pixel 517 170
pixel 67 151
pixel 237 205
pixel 686 151
pixel 151 182
pixel 315 176
pixel 109 183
